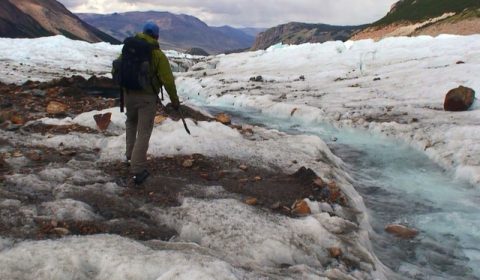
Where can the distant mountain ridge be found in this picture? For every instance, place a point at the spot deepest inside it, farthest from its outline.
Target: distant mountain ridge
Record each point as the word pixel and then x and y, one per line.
pixel 426 17
pixel 299 33
pixel 38 18
pixel 178 32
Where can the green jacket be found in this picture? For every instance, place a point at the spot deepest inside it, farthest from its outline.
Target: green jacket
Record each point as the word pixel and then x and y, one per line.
pixel 161 68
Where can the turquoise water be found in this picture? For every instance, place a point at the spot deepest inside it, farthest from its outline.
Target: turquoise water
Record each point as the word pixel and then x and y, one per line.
pixel 402 185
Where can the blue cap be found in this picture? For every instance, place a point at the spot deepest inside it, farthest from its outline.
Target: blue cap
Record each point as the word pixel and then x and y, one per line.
pixel 151 29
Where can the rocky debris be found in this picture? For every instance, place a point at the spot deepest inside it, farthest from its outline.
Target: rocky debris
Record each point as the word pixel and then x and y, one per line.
pixel 258 79
pixel 63 97
pixel 223 118
pixel 187 163
pixel 45 129
pixel 335 252
pixel 301 208
pixel 459 99
pixel 103 120
pixel 401 231
pixel 243 167
pixel 56 108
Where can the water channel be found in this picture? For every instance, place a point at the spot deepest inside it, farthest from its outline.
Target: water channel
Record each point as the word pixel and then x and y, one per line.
pixel 401 185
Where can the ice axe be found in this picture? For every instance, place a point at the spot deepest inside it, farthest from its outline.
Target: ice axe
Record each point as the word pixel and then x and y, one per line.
pixel 179 111
pixel 183 120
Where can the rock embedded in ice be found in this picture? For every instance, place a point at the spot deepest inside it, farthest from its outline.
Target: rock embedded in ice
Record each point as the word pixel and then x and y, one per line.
pixel 251 201
pixel 223 118
pixel 335 252
pixel 401 231
pixel 301 208
pixel 103 120
pixel 459 99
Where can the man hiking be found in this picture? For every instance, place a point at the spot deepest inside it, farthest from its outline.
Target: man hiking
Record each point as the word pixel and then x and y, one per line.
pixel 144 70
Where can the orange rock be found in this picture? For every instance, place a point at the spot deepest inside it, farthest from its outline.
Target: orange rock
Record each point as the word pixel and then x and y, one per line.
pixel 17 119
pixel 301 208
pixel 335 252
pixel 251 201
pixel 223 118
pixel 55 107
pixel 103 120
pixel 257 178
pixel 401 231
pixel 159 119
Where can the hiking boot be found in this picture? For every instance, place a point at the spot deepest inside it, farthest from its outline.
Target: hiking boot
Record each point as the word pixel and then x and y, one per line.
pixel 139 178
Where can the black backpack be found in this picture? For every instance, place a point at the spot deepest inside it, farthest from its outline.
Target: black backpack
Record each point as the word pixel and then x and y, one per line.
pixel 131 71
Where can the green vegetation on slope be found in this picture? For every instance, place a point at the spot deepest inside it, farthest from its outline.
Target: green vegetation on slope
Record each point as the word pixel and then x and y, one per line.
pixel 418 10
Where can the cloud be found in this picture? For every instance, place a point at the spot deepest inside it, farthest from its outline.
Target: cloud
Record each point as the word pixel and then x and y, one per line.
pixel 251 13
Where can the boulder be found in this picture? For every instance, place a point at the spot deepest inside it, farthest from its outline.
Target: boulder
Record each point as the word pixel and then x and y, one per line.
pixel 103 120
pixel 459 99
pixel 55 107
pixel 401 231
pixel 223 118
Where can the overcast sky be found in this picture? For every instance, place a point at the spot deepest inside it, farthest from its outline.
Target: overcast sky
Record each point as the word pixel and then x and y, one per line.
pixel 249 13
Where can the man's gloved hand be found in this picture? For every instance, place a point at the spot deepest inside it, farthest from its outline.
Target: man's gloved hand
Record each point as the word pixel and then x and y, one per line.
pixel 176 104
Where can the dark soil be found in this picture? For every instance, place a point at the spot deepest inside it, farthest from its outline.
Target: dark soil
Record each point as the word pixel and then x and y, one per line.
pixel 121 214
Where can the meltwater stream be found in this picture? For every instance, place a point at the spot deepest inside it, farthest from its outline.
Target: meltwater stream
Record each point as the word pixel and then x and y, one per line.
pixel 401 185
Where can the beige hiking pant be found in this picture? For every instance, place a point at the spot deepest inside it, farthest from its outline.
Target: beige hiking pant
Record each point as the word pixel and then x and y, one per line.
pixel 141 107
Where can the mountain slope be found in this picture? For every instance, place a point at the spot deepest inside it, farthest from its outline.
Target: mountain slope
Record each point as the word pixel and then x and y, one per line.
pixel 38 18
pixel 298 33
pixel 426 17
pixel 178 32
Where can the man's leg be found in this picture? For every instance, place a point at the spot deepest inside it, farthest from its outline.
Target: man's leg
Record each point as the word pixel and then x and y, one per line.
pixel 131 125
pixel 146 117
